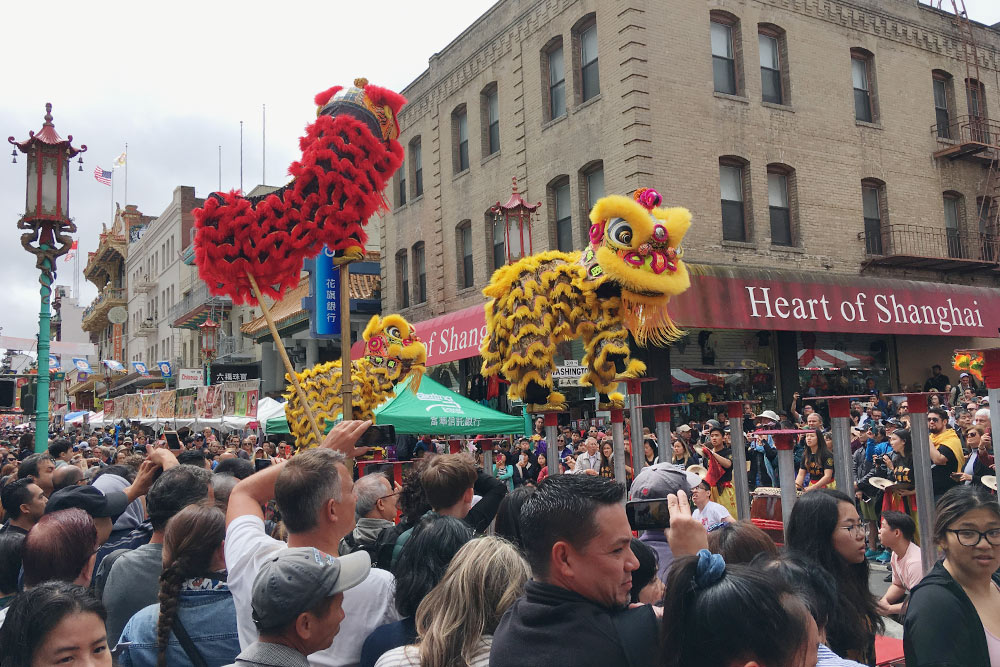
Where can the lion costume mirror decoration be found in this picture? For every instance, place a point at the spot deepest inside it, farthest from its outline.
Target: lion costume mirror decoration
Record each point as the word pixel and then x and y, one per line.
pixel 620 284
pixel 392 352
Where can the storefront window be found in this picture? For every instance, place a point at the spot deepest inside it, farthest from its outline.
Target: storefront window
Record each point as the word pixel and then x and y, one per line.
pixel 710 365
pixel 832 364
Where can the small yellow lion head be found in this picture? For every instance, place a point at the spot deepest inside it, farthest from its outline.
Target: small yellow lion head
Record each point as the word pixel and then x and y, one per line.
pixel 638 244
pixel 392 343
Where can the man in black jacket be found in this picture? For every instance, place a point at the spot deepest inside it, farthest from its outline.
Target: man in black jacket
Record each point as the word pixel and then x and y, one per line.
pixel 575 609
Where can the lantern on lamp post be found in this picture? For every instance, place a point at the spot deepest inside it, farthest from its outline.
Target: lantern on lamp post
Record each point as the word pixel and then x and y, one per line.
pixel 209 345
pixel 47 228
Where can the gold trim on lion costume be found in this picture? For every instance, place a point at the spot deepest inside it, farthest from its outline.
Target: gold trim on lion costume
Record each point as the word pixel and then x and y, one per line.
pixel 620 284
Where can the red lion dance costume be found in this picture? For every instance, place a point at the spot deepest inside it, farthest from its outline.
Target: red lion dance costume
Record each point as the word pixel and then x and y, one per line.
pixel 348 156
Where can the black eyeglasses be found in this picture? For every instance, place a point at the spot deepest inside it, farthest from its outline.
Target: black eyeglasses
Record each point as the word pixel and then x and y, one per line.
pixel 970 538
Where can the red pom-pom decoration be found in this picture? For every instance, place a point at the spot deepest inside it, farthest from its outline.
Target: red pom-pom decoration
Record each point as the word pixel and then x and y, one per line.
pixel 337 185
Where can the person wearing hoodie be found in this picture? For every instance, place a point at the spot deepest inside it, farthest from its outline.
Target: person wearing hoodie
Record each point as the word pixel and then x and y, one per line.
pixel 961 592
pixel 375 510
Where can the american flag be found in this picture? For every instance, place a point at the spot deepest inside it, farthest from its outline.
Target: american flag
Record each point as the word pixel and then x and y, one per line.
pixel 102 176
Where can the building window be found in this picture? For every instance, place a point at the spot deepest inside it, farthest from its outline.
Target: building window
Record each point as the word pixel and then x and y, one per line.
pixel 590 84
pixel 734 227
pixel 562 213
pixel 491 120
pixel 952 224
pixel 978 127
pixel 499 242
pixel 556 75
pixel 401 189
pixel 943 93
pixel 862 66
pixel 403 276
pixel 779 204
pixel 591 184
pixel 420 272
pixel 418 171
pixel 873 204
pixel 771 42
pixel 466 275
pixel 460 138
pixel 724 54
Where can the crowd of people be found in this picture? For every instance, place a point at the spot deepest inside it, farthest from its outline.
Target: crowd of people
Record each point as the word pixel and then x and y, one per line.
pixel 141 551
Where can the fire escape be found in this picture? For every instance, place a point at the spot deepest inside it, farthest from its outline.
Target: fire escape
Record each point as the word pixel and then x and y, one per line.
pixel 975 138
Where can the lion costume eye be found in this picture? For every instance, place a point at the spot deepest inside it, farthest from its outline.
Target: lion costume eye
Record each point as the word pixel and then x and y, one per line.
pixel 393 332
pixel 620 232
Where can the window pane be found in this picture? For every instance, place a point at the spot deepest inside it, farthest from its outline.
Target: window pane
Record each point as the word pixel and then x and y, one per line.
pixel 418 259
pixel 562 202
pixel 943 123
pixel 722 40
pixel 862 106
pixel 940 94
pixel 777 190
pixel 731 180
pixel 556 66
pixel 770 85
pixel 859 73
pixel 494 137
pixel 768 51
pixel 463 156
pixel 781 226
pixel 733 228
pixel 588 45
pixel 558 99
pixel 873 236
pixel 564 235
pixel 595 187
pixel 463 127
pixel 870 203
pixel 951 213
pixel 467 271
pixel 591 81
pixel 724 75
pixel 418 184
pixel 493 107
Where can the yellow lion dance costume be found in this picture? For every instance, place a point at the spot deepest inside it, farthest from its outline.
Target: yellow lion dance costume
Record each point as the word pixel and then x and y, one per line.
pixel 392 352
pixel 620 284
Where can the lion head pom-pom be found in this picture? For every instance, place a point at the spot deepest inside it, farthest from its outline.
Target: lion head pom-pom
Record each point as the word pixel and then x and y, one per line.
pixel 648 198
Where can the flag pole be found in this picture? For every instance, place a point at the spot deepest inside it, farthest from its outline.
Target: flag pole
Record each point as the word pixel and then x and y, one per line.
pixel 126 173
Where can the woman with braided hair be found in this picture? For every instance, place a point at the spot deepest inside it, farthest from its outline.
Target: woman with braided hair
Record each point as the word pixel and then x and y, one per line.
pixel 195 620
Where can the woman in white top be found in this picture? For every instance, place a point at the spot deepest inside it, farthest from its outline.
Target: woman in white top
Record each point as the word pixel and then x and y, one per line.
pixel 457 619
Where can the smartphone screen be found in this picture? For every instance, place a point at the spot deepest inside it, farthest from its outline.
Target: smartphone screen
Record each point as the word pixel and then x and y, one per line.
pixel 647 514
pixel 260 464
pixel 173 440
pixel 377 436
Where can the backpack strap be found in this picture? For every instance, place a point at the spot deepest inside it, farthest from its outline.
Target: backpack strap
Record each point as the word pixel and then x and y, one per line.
pixel 193 654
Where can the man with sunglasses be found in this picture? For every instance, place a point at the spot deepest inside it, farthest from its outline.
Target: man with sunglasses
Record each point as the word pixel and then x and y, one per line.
pixel 946 451
pixel 374 509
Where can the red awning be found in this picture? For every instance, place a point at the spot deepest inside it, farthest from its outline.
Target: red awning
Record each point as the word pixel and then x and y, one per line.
pixel 727 298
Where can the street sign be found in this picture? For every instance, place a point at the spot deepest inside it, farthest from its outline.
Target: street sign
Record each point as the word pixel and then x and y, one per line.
pixel 569 373
pixel 190 377
pixel 323 302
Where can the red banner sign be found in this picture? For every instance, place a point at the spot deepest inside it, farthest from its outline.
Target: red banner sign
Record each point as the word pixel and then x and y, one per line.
pixel 861 305
pixel 748 299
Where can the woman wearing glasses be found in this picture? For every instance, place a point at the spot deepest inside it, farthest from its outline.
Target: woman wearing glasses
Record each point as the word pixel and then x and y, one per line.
pixel 961 592
pixel 825 527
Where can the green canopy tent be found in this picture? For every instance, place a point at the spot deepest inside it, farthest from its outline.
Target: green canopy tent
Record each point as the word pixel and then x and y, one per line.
pixel 435 409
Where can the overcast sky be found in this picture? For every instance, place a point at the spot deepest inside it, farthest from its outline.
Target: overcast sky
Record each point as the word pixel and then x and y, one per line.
pixel 175 82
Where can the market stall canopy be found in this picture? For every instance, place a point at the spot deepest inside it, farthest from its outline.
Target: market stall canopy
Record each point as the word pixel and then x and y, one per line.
pixel 271 414
pixel 435 409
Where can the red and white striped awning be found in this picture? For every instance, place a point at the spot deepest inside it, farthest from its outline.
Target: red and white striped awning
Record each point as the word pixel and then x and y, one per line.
pixel 823 358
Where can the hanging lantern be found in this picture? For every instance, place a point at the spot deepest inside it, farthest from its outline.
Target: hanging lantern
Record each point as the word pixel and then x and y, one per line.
pixel 515 217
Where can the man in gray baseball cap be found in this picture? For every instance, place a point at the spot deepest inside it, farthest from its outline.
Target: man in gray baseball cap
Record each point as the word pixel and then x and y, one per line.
pixel 297 605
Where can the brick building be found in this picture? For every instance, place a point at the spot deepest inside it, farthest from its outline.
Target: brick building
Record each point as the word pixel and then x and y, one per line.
pixel 825 150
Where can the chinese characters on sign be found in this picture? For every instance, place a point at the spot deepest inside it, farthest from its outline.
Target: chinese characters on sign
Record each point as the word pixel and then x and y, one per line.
pixel 324 299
